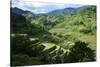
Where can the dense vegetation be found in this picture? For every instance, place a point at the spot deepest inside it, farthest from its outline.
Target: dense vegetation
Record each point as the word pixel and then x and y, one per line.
pixel 61 36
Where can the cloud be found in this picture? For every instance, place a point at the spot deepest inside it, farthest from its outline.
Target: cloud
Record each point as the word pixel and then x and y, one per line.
pixel 41 6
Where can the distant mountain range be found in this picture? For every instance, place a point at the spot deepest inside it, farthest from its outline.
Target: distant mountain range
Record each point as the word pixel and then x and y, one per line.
pixel 65 11
pixel 55 16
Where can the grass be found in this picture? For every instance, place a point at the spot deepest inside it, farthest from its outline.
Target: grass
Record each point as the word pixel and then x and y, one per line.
pixel 48 45
pixel 90 39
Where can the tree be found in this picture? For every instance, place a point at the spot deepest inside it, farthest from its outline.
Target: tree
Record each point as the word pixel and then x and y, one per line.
pixel 80 53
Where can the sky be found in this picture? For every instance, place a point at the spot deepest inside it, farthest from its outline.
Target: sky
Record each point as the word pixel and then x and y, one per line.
pixel 42 6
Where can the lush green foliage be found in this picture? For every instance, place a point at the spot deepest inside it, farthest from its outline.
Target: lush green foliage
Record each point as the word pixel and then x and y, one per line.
pixel 53 38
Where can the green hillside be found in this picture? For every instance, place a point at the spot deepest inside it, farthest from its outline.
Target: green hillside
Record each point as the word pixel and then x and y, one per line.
pixel 80 26
pixel 53 38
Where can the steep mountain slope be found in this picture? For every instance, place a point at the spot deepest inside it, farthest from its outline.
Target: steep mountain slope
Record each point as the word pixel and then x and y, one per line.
pixel 79 26
pixel 30 44
pixel 28 15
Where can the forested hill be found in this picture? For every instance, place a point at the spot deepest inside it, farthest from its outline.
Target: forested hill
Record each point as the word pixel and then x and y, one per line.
pixel 61 36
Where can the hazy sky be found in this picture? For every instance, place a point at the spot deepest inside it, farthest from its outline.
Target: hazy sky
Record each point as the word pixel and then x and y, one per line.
pixel 42 6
